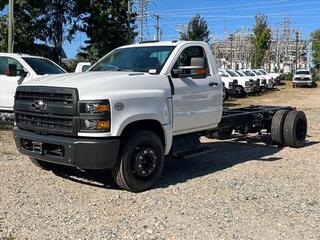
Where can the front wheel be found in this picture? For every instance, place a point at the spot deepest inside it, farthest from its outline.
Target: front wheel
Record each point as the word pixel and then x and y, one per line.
pixel 140 162
pixel 225 94
pixel 239 91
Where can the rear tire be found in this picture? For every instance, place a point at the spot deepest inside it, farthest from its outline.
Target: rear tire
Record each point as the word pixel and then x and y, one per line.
pixel 295 129
pixel 140 162
pixel 277 127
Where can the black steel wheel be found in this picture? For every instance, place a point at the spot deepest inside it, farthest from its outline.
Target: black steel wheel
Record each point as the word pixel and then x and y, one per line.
pixel 295 129
pixel 140 163
pixel 277 127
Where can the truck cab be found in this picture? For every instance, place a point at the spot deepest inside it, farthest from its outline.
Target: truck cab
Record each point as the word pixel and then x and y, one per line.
pixel 16 69
pixel 166 89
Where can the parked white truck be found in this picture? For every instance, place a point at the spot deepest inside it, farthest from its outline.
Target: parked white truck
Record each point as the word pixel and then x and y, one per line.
pixel 302 77
pixel 244 85
pixel 136 106
pixel 16 69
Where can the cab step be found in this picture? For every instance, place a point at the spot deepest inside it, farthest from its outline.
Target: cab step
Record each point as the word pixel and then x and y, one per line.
pixel 191 153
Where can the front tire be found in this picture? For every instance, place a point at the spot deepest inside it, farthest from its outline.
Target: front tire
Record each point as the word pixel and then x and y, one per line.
pixel 239 91
pixel 225 94
pixel 140 162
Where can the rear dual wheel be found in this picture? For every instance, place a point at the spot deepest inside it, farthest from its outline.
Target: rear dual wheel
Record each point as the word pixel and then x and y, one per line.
pixel 289 128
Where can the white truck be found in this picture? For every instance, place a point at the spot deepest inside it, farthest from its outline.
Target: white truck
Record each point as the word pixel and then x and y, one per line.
pixel 302 77
pixel 244 86
pixel 16 69
pixel 136 106
pixel 230 85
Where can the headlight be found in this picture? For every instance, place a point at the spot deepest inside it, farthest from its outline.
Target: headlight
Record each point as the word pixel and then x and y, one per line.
pixel 247 83
pixel 95 116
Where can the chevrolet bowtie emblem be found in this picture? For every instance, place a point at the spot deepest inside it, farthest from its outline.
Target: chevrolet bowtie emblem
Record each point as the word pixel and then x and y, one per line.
pixel 39 105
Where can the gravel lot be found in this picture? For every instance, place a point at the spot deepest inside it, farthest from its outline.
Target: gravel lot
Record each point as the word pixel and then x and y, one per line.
pixel 245 189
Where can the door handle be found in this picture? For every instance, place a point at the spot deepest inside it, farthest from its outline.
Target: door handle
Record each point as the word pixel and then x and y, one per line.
pixel 213 84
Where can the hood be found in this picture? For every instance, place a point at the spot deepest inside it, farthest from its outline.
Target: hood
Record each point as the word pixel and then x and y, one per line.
pixel 103 83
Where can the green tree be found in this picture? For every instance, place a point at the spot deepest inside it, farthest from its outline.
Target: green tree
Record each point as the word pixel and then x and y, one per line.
pixel 260 40
pixel 28 28
pixel 106 25
pixel 197 30
pixel 40 26
pixel 315 37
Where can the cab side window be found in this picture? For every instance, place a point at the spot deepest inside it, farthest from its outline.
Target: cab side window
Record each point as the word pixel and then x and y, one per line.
pixel 5 62
pixel 187 54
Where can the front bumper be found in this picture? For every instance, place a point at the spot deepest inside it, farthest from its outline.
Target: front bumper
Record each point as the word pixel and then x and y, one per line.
pixel 302 83
pixel 75 152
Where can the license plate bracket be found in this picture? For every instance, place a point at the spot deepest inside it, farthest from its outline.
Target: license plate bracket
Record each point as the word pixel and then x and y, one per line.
pixel 37 147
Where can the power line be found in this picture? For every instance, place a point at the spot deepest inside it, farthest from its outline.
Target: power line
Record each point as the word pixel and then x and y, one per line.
pixel 218 7
pixel 226 7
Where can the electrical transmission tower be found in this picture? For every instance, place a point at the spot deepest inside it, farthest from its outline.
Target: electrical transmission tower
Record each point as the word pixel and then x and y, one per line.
pixel 141 7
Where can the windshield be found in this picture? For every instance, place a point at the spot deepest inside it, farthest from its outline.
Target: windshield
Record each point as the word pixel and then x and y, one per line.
pixel 303 72
pixel 240 73
pixel 257 72
pixel 136 59
pixel 232 74
pixel 43 66
pixel 248 73
pixel 263 72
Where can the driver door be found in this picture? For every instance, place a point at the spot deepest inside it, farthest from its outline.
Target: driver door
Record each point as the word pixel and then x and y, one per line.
pixel 9 82
pixel 196 100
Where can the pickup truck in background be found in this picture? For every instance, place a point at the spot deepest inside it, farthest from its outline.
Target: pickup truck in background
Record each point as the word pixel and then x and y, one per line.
pixel 302 77
pixel 230 86
pixel 135 107
pixel 244 86
pixel 16 69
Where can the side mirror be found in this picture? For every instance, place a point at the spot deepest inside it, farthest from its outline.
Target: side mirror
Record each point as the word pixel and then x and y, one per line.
pixel 12 70
pixel 196 69
pixel 82 67
pixel 23 73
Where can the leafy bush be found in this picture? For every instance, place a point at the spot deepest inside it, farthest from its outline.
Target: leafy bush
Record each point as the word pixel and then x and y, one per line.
pixel 286 77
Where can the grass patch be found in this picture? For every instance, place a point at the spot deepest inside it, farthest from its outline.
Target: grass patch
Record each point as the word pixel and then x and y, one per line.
pixel 10 237
pixel 5 127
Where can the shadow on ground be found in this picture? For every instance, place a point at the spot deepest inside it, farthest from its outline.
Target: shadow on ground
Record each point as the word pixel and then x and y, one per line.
pixel 226 154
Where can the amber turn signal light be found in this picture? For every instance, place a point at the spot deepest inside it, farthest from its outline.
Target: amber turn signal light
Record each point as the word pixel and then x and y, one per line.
pixel 103 124
pixel 103 108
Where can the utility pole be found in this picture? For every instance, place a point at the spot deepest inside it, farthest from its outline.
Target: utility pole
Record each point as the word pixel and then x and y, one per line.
pixel 157 27
pixel 231 49
pixel 297 43
pixel 225 28
pixel 10 27
pixel 129 21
